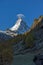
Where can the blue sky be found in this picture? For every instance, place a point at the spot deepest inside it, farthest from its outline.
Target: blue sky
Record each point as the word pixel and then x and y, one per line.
pixel 10 8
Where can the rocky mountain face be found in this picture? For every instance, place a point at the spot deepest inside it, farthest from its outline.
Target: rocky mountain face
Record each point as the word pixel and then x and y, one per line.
pixel 38 32
pixel 30 41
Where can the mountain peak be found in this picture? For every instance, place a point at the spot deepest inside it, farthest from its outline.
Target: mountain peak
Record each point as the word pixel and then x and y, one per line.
pixel 20 26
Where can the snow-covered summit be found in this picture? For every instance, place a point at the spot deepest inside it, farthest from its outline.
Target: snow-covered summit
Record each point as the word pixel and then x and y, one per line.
pixel 20 26
pixel 16 26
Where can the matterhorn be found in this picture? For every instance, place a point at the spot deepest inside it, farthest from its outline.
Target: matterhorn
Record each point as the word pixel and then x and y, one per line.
pixel 19 27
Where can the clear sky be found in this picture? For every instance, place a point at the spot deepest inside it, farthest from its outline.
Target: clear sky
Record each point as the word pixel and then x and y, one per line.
pixel 10 8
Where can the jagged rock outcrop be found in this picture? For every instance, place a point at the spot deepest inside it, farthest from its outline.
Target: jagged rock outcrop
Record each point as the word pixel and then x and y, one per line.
pixel 37 29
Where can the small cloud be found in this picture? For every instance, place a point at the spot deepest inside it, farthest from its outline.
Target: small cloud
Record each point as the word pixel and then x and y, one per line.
pixel 20 16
